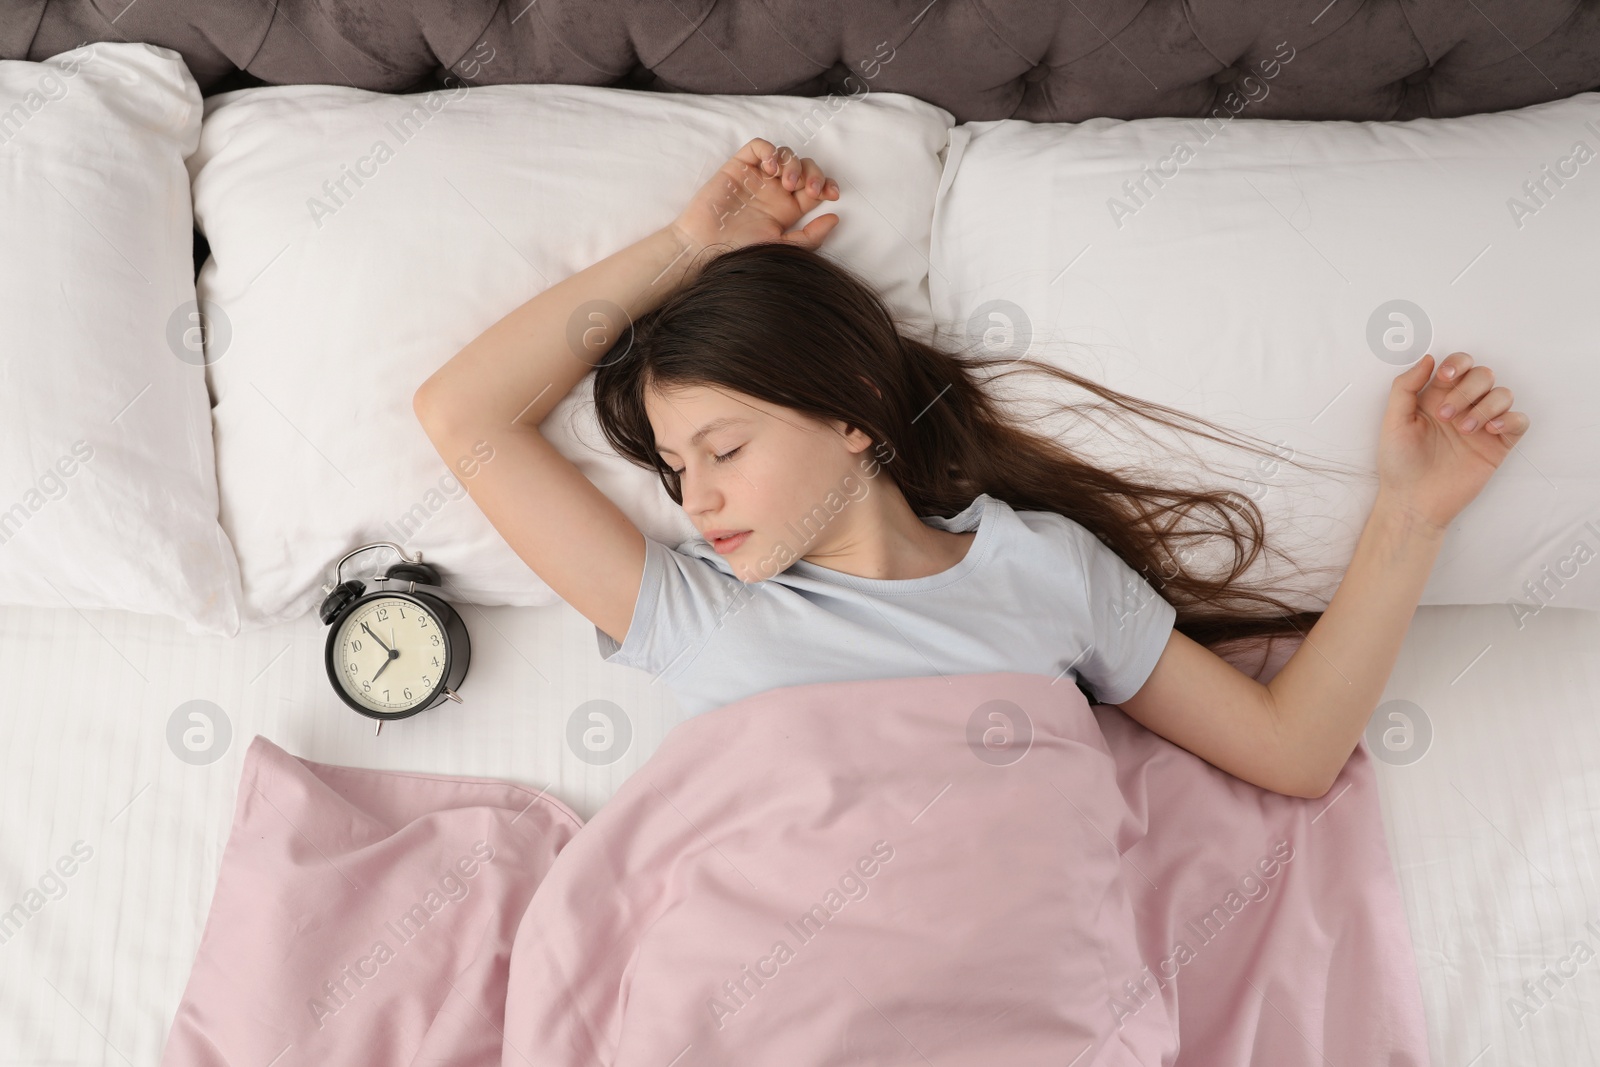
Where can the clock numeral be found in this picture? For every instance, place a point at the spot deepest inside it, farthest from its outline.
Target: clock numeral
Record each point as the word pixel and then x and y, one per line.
pixel 422 620
pixel 352 667
pixel 385 694
pixel 355 646
pixel 383 614
pixel 366 687
pixel 426 682
pixel 402 613
pixel 434 638
pixel 408 694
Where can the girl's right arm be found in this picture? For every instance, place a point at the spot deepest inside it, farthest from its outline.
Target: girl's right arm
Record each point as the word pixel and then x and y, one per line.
pixel 496 391
pixel 519 369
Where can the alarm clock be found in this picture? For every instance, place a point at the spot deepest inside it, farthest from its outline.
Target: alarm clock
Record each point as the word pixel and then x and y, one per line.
pixel 399 649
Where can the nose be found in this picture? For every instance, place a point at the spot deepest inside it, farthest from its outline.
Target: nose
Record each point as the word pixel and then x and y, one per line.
pixel 699 495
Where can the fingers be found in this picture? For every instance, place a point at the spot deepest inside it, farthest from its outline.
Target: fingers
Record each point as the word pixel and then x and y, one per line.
pixel 803 176
pixel 794 169
pixel 1484 412
pixel 1414 377
pixel 811 234
pixel 757 152
pixel 771 160
pixel 1469 389
pixel 779 162
pixel 1453 366
pixel 1467 397
pixel 1513 425
pixel 796 174
pixel 819 186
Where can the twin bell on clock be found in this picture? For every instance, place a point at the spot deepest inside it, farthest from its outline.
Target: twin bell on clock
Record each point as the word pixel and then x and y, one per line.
pixel 398 649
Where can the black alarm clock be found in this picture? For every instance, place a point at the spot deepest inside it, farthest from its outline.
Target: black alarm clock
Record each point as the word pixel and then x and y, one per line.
pixel 399 649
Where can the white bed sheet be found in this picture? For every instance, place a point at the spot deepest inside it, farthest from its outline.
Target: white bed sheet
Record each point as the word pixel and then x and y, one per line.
pixel 1495 831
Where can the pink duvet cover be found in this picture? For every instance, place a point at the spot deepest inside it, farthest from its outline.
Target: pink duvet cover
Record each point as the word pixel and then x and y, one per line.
pixel 970 869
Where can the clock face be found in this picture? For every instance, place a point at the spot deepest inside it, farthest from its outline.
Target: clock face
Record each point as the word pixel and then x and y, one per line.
pixel 390 655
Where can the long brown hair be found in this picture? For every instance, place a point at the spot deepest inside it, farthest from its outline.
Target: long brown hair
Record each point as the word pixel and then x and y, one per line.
pixel 792 327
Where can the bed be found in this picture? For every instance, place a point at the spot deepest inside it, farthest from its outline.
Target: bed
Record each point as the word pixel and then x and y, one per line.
pixel 1486 744
pixel 1495 838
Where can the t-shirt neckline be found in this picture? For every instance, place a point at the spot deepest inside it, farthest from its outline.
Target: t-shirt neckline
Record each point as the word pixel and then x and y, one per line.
pixel 980 514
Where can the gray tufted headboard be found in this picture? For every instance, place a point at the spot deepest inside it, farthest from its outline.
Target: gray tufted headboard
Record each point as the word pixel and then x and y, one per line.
pixel 1039 60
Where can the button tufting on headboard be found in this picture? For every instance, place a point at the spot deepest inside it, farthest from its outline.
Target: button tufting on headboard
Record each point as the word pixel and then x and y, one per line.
pixel 970 57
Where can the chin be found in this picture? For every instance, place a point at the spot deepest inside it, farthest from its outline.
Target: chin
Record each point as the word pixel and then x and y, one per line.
pixel 746 562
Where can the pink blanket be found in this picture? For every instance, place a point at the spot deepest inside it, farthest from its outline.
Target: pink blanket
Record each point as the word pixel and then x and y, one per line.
pixel 969 869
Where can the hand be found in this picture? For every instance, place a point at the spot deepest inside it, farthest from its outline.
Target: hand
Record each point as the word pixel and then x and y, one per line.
pixel 755 197
pixel 1433 465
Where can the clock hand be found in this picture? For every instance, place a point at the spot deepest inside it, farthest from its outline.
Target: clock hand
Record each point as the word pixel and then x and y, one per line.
pixel 378 639
pixel 383 668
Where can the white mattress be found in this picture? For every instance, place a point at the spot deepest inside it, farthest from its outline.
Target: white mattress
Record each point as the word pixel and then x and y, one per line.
pixel 1495 831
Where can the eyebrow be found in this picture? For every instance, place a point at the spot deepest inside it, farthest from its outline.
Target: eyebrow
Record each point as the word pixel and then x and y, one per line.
pixel 710 427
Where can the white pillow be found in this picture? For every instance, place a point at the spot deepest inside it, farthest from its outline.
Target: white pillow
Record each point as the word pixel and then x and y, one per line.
pixel 1244 287
pixel 341 303
pixel 108 495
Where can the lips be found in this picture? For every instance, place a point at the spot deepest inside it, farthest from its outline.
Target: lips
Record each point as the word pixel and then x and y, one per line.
pixel 727 543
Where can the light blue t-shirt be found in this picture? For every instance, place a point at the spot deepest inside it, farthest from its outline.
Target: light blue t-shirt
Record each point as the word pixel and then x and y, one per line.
pixel 1036 592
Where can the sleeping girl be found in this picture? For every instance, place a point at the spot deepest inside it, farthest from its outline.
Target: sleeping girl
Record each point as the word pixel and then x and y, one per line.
pixel 866 507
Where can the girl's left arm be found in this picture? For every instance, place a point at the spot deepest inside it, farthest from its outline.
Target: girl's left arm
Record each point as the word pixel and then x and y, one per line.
pixel 1325 693
pixel 1439 447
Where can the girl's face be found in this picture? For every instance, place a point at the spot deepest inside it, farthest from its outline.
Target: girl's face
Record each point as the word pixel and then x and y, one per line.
pixel 747 465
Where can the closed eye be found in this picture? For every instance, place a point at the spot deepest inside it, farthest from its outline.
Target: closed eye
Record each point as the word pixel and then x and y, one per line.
pixel 719 459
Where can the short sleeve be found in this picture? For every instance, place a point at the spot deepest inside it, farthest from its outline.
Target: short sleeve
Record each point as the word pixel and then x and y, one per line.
pixel 1123 625
pixel 682 598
